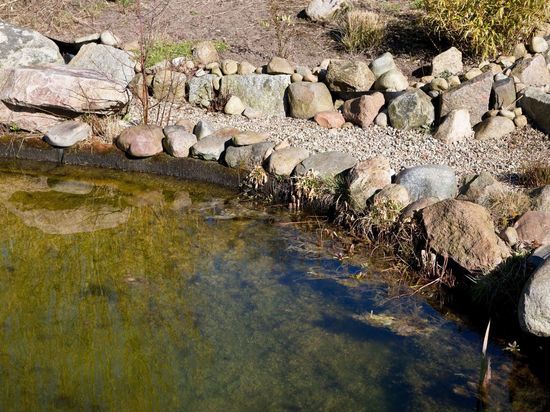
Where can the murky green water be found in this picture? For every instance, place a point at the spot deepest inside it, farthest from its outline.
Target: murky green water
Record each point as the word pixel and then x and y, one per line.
pixel 129 293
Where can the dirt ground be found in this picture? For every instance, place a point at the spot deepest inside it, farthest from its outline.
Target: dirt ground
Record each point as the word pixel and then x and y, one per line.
pixel 246 26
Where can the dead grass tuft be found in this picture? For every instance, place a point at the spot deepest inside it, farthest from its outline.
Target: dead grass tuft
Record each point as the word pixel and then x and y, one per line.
pixel 361 30
pixel 506 207
pixel 536 174
pixel 105 128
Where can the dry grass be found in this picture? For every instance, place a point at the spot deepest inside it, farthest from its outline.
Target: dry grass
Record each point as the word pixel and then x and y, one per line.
pixel 536 174
pixel 361 30
pixel 52 16
pixel 105 128
pixel 485 27
pixel 506 207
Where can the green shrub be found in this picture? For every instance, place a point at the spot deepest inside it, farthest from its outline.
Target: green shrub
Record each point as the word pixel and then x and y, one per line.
pixel 361 30
pixel 485 27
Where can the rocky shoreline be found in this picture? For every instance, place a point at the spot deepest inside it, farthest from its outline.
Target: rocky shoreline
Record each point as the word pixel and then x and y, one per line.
pixel 387 173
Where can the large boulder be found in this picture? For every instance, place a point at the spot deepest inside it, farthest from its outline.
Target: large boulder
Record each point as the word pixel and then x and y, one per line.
pixel 27 119
pixel 534 304
pixel 115 64
pixel 536 105
pixel 326 165
pixel 307 99
pixel 349 76
pixel 532 71
pixel 534 227
pixel 366 178
pixel 464 232
pixel 141 141
pixel 282 162
pixel 363 110
pixel 319 10
pixel 63 89
pixel 449 62
pixel 68 133
pixel 411 110
pixel 429 181
pixel 247 157
pixel 473 95
pixel 259 91
pixel 24 47
pixel 200 90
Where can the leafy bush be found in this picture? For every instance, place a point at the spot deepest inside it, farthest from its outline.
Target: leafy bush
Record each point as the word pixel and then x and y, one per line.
pixel 361 30
pixel 485 27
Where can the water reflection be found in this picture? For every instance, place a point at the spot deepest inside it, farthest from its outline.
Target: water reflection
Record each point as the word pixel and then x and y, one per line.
pixel 197 302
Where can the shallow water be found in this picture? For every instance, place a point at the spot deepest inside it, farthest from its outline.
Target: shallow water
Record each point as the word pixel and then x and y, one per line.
pixel 128 292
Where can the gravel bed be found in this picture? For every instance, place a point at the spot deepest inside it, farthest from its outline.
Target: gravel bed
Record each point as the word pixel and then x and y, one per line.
pixel 503 158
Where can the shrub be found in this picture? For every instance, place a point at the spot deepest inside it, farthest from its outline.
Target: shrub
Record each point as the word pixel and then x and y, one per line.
pixel 361 30
pixel 485 27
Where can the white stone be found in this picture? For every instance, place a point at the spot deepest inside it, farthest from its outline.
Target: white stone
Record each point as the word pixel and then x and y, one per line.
pixel 455 128
pixel 538 45
pixel 234 106
pixel 68 133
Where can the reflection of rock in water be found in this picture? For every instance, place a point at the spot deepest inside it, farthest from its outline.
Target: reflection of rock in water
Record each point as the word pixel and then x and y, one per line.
pixel 74 187
pixel 65 222
pixel 82 218
pixel 182 201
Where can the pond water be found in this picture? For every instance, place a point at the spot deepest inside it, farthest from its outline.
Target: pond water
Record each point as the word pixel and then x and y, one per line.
pixel 127 292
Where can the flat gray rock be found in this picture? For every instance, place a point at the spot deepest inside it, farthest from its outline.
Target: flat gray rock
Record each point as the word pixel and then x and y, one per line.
pixel 63 89
pixel 68 133
pixel 210 147
pixel 247 157
pixel 25 47
pixel 261 92
pixel 282 162
pixel 429 181
pixel 326 165
pixel 115 64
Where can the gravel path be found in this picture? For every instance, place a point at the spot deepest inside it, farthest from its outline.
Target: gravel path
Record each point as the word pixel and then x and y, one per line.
pixel 503 158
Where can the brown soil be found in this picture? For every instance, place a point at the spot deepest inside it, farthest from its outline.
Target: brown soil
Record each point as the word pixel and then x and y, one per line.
pixel 246 26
